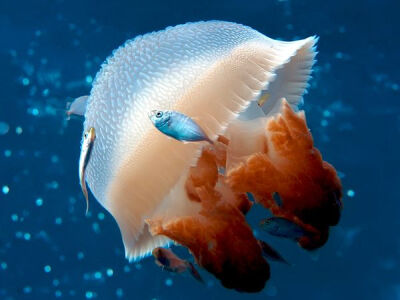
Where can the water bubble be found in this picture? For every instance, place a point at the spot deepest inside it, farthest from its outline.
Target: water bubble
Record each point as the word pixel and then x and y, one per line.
pixel 88 79
pixel 80 255
pixel 89 295
pixel 96 227
pixel 339 55
pixel 4 128
pixel 326 113
pixel 14 217
pixel 18 130
pixel 54 159
pixel 97 275
pixel 7 153
pixel 27 289
pixel 119 292
pixel 58 293
pixel 110 272
pixel 5 189
pixel 100 216
pixel 53 185
pixel 58 221
pixel 127 269
pixel 39 202
pixel 27 236
pixel 168 282
pixel 56 282
pixel 25 81
pixel 34 112
pixel 3 265
pixel 351 193
pixel 47 269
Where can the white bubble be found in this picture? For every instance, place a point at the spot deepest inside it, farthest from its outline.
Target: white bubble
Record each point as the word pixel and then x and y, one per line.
pixel 168 282
pixel 35 112
pixel 89 295
pixel 4 128
pixel 119 292
pixel 89 79
pixel 351 193
pixel 39 202
pixel 25 81
pixel 5 189
pixel 7 153
pixel 326 113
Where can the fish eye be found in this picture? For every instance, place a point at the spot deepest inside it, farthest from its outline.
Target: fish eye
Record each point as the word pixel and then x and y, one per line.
pixel 159 114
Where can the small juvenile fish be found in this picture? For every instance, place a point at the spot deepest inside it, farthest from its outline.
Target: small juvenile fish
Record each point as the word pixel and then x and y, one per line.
pixel 87 146
pixel 77 107
pixel 178 126
pixel 166 259
pixel 282 227
pixel 263 99
pixel 271 253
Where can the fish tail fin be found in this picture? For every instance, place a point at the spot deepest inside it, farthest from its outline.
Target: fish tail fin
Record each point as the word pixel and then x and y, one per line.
pixel 86 195
pixel 193 271
pixel 87 207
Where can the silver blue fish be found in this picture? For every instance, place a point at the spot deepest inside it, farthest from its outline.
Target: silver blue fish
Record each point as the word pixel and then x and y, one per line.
pixel 282 227
pixel 87 147
pixel 178 126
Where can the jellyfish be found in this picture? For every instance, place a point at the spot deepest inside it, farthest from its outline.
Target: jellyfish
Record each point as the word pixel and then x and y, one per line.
pixel 243 89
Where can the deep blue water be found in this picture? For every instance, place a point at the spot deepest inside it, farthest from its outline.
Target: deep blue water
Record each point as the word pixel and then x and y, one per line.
pixel 49 53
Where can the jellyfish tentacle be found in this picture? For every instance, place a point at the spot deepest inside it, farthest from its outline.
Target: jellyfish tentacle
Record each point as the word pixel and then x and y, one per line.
pixel 290 165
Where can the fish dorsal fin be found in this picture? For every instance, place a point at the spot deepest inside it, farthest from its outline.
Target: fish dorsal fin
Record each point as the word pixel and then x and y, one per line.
pixel 78 106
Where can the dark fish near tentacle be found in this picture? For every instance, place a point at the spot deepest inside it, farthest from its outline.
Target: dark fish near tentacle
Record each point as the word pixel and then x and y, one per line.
pixel 166 259
pixel 282 227
pixel 271 253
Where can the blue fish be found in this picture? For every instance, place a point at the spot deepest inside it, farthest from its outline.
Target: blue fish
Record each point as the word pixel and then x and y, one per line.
pixel 178 126
pixel 282 227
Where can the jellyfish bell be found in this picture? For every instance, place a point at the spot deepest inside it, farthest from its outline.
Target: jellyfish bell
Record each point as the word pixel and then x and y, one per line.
pixel 229 78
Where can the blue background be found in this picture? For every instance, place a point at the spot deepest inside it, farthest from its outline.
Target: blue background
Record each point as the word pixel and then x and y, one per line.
pixel 49 53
